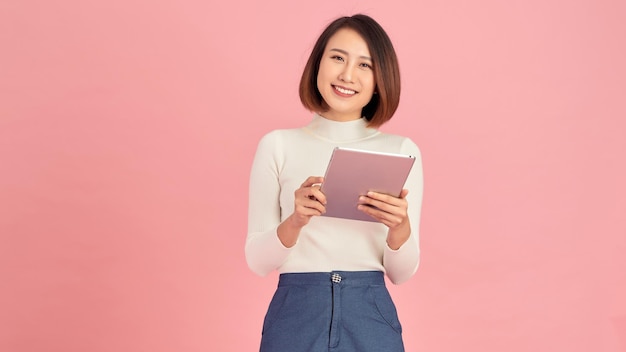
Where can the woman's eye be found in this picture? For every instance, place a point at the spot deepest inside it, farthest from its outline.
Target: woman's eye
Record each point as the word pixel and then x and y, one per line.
pixel 365 65
pixel 338 58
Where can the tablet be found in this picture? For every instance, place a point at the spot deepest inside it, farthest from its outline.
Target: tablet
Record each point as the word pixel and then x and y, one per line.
pixel 353 172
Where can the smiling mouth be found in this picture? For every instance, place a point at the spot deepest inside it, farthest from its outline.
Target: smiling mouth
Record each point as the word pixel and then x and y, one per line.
pixel 344 91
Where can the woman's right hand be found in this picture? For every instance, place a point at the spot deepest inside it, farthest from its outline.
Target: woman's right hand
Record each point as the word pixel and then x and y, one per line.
pixel 309 201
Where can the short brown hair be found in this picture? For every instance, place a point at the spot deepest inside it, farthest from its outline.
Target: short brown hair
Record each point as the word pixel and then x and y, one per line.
pixel 382 106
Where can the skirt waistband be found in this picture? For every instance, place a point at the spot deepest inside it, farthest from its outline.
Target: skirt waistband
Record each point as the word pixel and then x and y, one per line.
pixel 354 278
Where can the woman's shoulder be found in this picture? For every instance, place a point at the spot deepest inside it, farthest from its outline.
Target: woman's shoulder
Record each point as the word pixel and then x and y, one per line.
pixel 275 140
pixel 275 136
pixel 403 144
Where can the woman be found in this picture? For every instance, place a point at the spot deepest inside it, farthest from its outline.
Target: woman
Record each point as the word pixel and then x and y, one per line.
pixel 331 293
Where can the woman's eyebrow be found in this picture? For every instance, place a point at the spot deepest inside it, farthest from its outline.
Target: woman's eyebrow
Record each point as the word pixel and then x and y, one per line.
pixel 347 54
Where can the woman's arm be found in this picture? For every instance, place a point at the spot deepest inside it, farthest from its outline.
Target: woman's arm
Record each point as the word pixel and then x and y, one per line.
pixel 269 240
pixel 401 215
pixel 264 251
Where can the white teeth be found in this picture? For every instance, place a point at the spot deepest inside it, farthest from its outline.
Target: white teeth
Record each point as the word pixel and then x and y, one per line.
pixel 345 91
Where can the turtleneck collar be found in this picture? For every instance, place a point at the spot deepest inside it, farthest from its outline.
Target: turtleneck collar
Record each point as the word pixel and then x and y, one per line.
pixel 335 131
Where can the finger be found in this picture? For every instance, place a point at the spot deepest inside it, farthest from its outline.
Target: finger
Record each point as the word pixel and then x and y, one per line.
pixel 386 197
pixel 306 191
pixel 396 207
pixel 392 205
pixel 316 193
pixel 370 203
pixel 369 211
pixel 312 193
pixel 309 203
pixel 378 214
pixel 388 219
pixel 381 197
pixel 371 207
pixel 308 211
pixel 312 180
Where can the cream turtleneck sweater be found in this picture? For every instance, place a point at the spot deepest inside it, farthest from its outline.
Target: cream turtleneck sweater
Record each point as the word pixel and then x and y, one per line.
pixel 286 158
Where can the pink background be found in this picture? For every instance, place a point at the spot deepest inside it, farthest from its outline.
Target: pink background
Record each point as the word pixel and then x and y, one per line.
pixel 127 129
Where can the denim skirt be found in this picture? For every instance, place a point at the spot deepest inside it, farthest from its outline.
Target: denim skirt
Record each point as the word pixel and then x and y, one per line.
pixel 339 311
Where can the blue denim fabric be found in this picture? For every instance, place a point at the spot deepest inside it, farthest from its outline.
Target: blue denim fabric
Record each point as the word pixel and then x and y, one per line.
pixel 332 312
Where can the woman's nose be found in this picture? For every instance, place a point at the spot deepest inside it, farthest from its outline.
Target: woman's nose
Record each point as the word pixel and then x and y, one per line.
pixel 346 74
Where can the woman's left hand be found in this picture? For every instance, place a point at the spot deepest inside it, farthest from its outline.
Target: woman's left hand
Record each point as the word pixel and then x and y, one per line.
pixel 391 211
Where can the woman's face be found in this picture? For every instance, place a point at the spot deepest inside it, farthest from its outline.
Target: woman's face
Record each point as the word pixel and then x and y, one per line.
pixel 346 78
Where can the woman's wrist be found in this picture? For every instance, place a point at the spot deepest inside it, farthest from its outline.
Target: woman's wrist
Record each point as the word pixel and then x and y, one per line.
pixel 288 232
pixel 398 236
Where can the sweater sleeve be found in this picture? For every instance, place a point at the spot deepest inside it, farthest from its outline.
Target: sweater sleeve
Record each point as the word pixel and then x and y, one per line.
pixel 263 249
pixel 402 263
